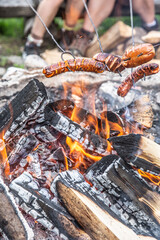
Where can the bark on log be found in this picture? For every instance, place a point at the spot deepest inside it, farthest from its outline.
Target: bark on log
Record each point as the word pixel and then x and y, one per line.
pixel 97 222
pixel 138 150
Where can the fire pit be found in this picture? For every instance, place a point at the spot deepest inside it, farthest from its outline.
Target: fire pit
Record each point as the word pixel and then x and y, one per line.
pixel 80 162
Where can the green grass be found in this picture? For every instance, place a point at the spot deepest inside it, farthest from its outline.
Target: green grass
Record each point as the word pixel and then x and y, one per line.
pixel 12 27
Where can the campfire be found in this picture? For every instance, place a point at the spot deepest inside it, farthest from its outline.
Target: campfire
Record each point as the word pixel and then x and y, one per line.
pixel 77 164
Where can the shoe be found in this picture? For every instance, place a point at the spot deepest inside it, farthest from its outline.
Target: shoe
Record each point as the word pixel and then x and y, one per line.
pixel 67 38
pixel 31 49
pixel 83 39
pixel 154 27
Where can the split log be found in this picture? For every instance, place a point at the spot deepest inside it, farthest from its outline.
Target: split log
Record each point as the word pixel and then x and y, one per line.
pixel 11 220
pixel 134 200
pixel 50 214
pixel 142 112
pixel 73 130
pixel 138 191
pixel 22 107
pixel 138 151
pixel 152 37
pixel 97 222
pixel 114 36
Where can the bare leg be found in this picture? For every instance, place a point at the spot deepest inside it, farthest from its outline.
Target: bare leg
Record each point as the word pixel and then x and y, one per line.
pixel 47 9
pixel 73 12
pixel 99 10
pixel 146 10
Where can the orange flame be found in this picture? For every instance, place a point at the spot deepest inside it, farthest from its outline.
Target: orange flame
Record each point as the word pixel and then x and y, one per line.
pixel 153 178
pixel 3 155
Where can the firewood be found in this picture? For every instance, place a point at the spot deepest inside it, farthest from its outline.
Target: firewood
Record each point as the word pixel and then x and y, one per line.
pixel 129 191
pixel 142 111
pixel 109 40
pixel 10 222
pixel 23 106
pixel 73 130
pixel 138 150
pixel 97 222
pixel 152 37
pixel 136 188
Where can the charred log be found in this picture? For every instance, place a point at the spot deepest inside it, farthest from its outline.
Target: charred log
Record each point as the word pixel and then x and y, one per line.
pixel 127 194
pixel 11 221
pixel 22 107
pixel 23 147
pixel 138 150
pixel 97 222
pixel 50 214
pixel 87 139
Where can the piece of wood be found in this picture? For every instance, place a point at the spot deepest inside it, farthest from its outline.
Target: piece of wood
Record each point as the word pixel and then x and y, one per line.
pixel 142 111
pixel 152 37
pixel 11 221
pixel 137 149
pixel 138 191
pixel 109 40
pixel 97 222
pixel 86 138
pixel 17 8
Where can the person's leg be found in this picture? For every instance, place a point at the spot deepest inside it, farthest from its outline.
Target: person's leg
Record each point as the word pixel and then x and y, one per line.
pixel 146 11
pixel 99 10
pixel 47 9
pixel 145 8
pixel 72 12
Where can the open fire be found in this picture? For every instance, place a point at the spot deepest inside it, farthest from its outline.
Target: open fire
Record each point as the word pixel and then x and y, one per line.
pixel 49 148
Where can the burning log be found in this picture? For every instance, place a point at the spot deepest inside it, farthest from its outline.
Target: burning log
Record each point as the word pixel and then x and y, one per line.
pixel 51 215
pixel 11 220
pixel 24 146
pixel 97 222
pixel 134 201
pixel 138 151
pixel 73 130
pixel 22 107
pixel 138 191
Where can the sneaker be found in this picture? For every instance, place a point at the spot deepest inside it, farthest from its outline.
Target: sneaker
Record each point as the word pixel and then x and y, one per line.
pixel 155 27
pixel 31 49
pixel 67 38
pixel 83 39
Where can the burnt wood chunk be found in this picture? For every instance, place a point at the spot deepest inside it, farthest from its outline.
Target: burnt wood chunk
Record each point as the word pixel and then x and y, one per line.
pixel 97 222
pixel 138 151
pixel 87 139
pixel 138 191
pixel 128 194
pixel 23 106
pixel 23 147
pixel 49 213
pixel 10 221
